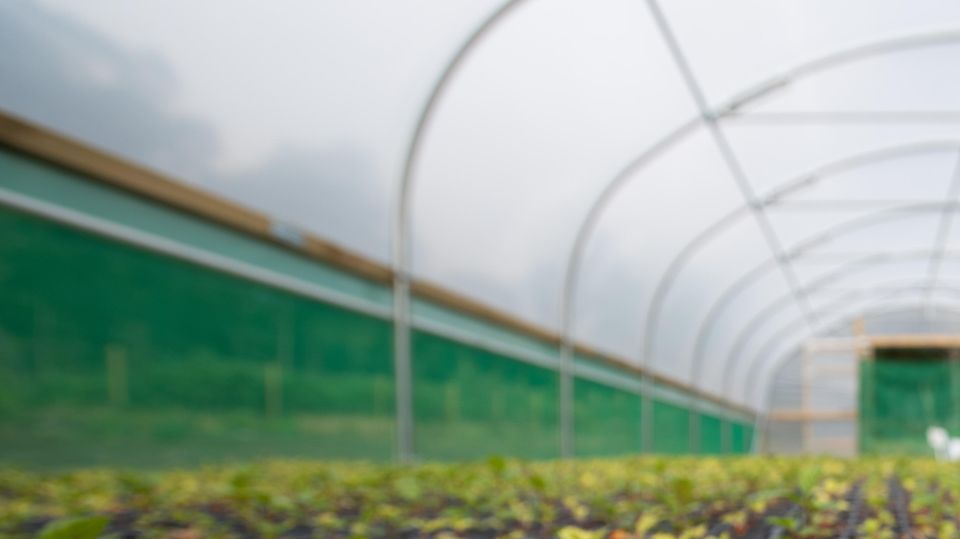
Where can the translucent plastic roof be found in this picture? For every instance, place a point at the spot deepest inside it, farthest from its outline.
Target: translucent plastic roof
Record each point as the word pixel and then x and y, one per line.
pixel 697 186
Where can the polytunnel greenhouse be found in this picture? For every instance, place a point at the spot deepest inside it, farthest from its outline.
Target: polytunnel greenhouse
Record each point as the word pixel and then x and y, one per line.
pixel 519 230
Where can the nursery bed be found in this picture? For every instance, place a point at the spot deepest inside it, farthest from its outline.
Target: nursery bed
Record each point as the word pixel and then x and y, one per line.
pixel 658 497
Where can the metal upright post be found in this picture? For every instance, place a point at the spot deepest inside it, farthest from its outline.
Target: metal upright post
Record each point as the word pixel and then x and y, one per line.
pixel 401 232
pixel 646 415
pixel 805 398
pixel 761 427
pixel 726 435
pixel 402 367
pixel 694 424
pixel 566 400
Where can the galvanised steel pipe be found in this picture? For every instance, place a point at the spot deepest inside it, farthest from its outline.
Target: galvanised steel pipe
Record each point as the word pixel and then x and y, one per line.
pixel 401 232
pixel 944 228
pixel 813 176
pixel 401 225
pixel 763 409
pixel 730 107
pixel 767 348
pixel 838 230
pixel 763 315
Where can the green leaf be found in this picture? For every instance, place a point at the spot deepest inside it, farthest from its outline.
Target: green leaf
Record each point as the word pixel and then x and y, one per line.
pixel 537 482
pixel 497 463
pixel 572 532
pixel 683 489
pixel 786 523
pixel 408 488
pixel 75 528
pixel 808 477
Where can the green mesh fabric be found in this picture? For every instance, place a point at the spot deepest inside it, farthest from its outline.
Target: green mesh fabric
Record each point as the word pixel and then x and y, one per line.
pixel 470 403
pixel 671 428
pixel 740 438
pixel 711 435
pixel 111 354
pixel 748 434
pixel 116 355
pixel 902 393
pixel 606 420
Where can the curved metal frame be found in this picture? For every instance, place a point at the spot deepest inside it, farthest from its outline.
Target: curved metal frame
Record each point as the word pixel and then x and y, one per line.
pixel 831 233
pixel 763 315
pixel 766 349
pixel 943 230
pixel 863 309
pixel 948 208
pixel 778 193
pixel 846 318
pixel 852 225
pixel 835 231
pixel 763 410
pixel 776 82
pixel 401 225
pixel 817 284
pixel 584 233
pixel 731 161
pixel 790 118
pixel 401 228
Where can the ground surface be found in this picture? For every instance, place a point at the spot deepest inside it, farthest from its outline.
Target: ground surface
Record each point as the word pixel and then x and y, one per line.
pixel 619 499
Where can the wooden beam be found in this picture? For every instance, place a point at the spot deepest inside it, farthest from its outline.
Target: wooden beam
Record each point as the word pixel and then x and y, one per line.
pixel 807 416
pixel 101 167
pixel 915 341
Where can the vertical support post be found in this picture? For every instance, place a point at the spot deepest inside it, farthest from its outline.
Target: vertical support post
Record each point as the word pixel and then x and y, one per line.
pixel 859 328
pixel 761 425
pixel 760 441
pixel 566 400
pixel 953 356
pixel 646 410
pixel 805 398
pixel 694 424
pixel 401 365
pixel 862 352
pixel 401 234
pixel 116 358
pixel 865 414
pixel 726 435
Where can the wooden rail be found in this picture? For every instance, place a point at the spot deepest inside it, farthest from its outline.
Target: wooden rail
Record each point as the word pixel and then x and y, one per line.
pixel 915 341
pixel 813 415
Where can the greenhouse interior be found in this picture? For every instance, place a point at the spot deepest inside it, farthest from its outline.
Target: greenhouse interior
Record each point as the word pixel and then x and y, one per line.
pixel 612 269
